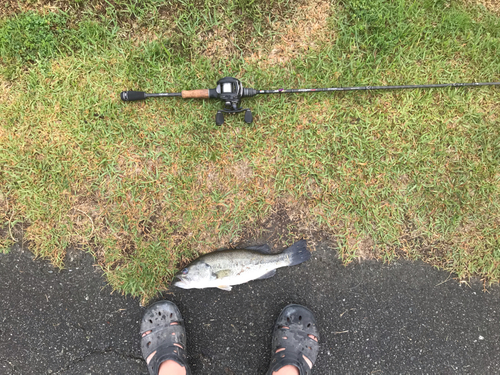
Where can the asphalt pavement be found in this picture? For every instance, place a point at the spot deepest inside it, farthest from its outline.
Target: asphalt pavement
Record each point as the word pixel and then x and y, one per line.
pixel 401 318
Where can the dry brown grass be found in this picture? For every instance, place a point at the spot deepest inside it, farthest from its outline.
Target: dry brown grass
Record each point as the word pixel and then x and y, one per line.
pixel 306 29
pixel 5 92
pixel 491 5
pixel 365 248
pixel 218 42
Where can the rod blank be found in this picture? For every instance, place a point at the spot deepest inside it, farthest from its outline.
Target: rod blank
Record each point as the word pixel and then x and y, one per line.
pixel 288 91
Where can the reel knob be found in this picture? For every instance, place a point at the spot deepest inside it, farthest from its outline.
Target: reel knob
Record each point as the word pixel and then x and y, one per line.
pixel 248 116
pixel 219 118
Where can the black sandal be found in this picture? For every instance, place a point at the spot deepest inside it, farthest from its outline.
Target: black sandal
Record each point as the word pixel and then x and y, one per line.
pixel 157 319
pixel 295 340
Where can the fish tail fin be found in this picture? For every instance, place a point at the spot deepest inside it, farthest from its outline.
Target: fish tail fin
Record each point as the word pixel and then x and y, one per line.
pixel 297 253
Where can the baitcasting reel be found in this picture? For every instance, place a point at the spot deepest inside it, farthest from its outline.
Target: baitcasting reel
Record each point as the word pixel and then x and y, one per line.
pixel 230 91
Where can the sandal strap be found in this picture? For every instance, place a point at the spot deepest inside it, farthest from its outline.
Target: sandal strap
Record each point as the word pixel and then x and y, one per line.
pixel 297 342
pixel 165 353
pixel 172 334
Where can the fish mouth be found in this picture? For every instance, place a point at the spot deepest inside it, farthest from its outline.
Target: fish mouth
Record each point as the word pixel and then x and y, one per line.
pixel 181 283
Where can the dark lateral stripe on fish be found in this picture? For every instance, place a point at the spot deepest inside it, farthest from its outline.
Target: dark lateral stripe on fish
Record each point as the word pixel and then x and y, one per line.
pixel 297 253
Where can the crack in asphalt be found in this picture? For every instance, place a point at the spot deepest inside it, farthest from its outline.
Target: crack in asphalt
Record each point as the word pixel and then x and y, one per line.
pixel 97 353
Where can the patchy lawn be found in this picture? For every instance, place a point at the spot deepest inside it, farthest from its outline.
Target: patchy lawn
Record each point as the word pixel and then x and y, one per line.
pixel 148 186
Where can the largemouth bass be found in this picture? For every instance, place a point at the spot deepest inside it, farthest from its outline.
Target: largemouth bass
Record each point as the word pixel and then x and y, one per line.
pixel 222 269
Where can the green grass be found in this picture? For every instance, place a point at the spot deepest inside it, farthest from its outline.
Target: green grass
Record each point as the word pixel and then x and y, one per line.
pixel 147 186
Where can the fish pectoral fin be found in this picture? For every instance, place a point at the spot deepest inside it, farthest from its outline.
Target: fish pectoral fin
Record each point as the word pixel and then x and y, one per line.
pixel 225 287
pixel 267 275
pixel 223 273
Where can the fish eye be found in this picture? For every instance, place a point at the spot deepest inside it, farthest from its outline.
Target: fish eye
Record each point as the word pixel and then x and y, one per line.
pixel 185 271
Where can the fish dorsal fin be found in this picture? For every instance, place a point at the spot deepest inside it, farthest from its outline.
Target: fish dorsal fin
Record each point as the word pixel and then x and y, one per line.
pixel 223 273
pixel 264 249
pixel 225 287
pixel 222 249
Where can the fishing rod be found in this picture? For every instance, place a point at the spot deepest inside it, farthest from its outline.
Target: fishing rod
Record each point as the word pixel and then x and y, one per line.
pixel 230 91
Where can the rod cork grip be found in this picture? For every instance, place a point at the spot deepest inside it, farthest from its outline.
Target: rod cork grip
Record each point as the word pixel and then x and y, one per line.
pixel 132 95
pixel 195 94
